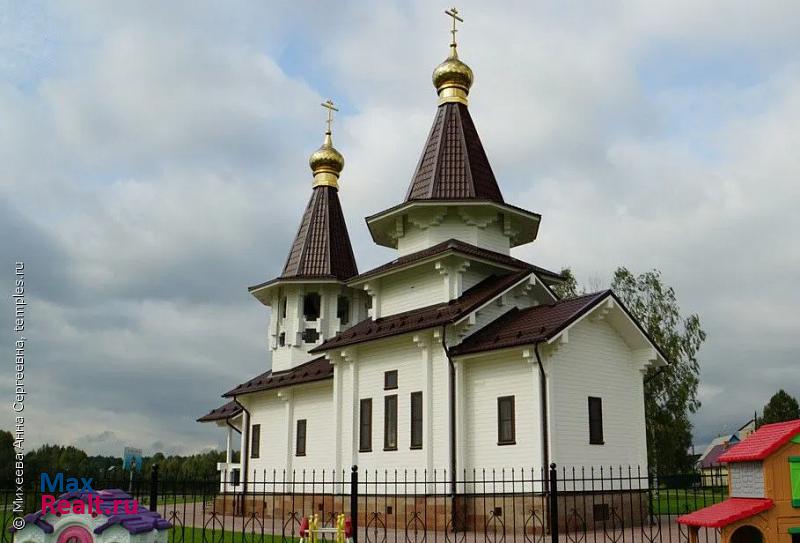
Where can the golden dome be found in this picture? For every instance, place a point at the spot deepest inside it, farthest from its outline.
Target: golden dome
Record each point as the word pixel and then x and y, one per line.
pixel 326 163
pixel 452 78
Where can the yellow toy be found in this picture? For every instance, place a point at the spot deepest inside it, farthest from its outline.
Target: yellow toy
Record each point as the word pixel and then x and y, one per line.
pixel 310 529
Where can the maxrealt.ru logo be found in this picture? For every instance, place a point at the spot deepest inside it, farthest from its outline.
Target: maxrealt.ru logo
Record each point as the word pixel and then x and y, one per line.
pixel 93 504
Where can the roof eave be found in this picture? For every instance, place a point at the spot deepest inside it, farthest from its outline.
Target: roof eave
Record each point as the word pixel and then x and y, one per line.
pixel 527 227
pixel 262 291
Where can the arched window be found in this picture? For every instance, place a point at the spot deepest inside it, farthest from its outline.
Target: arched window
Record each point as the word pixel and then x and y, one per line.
pixel 747 534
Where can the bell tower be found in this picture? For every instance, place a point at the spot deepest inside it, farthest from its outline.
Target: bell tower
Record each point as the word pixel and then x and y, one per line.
pixel 309 300
pixel 453 192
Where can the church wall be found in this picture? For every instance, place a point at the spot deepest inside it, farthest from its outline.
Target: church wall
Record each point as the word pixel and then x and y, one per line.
pixel 452 226
pixel 596 362
pixel 411 289
pixel 268 410
pixel 373 361
pixel 486 379
pixel 314 403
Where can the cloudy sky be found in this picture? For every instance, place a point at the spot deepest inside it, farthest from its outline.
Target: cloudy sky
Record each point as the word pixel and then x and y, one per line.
pixel 153 164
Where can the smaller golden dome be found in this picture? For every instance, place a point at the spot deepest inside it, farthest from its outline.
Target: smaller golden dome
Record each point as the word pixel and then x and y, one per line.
pixel 326 163
pixel 452 78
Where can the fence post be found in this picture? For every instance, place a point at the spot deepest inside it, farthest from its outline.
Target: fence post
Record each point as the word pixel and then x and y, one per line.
pixel 154 487
pixel 553 504
pixel 354 502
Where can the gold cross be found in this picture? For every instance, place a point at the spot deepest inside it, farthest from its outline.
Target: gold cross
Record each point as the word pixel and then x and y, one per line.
pixel 331 108
pixel 453 12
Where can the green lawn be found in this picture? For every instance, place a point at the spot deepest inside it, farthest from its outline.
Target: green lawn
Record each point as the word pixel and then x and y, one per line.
pixel 678 501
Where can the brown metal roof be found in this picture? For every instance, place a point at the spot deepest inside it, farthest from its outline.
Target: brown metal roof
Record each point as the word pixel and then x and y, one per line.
pixel 425 317
pixel 314 370
pixel 322 247
pixel 453 164
pixel 530 325
pixel 230 409
pixel 456 246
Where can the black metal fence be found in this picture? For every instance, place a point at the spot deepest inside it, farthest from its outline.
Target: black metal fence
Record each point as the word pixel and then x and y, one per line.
pixel 575 505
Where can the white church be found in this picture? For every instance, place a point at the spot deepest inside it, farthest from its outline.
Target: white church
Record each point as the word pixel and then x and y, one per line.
pixel 455 355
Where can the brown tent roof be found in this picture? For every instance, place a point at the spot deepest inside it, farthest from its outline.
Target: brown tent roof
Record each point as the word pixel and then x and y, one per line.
pixel 230 409
pixel 461 247
pixel 425 317
pixel 453 164
pixel 530 325
pixel 314 370
pixel 322 247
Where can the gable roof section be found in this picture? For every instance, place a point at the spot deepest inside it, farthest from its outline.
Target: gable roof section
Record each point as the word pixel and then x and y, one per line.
pixel 530 325
pixel 453 165
pixel 711 459
pixel 315 370
pixel 726 512
pixel 322 246
pixel 541 323
pixel 763 442
pixel 457 247
pixel 425 317
pixel 230 409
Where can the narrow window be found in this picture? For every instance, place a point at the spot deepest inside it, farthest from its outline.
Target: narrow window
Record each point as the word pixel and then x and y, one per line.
pixel 794 473
pixel 343 309
pixel 390 380
pixel 595 421
pixel 282 339
pixel 300 438
pixel 283 307
pixel 255 440
pixel 365 426
pixel 416 420
pixel 505 421
pixel 390 423
pixel 311 305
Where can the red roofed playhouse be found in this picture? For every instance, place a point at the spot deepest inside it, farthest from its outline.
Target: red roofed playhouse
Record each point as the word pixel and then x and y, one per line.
pixel 764 490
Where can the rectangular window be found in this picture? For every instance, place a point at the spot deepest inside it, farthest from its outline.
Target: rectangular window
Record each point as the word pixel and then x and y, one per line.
pixel 300 438
pixel 343 309
pixel 365 425
pixel 311 306
pixel 255 440
pixel 595 421
pixel 416 420
pixel 284 303
pixel 505 421
pixel 282 339
pixel 390 423
pixel 390 380
pixel 794 473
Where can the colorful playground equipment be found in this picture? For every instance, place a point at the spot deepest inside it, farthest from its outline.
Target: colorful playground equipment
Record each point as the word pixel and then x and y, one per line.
pixel 764 490
pixel 311 529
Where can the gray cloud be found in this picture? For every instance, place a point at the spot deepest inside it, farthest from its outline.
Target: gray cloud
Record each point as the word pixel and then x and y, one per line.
pixel 153 164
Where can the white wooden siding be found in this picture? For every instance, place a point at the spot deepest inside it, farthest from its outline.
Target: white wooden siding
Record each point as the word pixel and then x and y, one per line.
pixel 314 403
pixel 404 356
pixel 452 227
pixel 417 287
pixel 596 362
pixel 486 379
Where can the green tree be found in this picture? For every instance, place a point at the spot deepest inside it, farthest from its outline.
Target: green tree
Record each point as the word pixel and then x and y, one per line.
pixel 671 391
pixel 781 407
pixel 569 288
pixel 7 453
